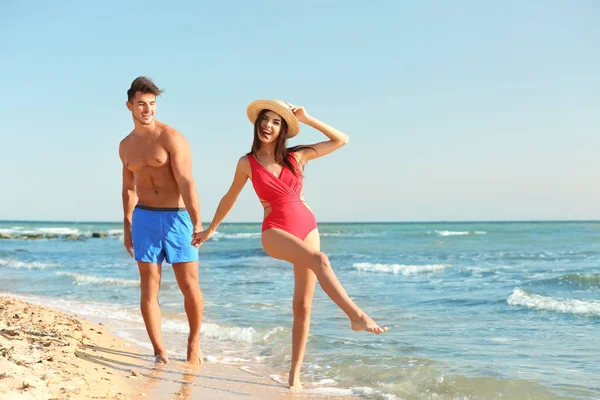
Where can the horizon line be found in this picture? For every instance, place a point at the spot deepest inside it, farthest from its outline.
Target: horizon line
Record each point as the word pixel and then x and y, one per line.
pixel 331 222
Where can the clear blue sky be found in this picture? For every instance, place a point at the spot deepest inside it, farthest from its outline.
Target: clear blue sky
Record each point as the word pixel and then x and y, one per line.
pixel 457 110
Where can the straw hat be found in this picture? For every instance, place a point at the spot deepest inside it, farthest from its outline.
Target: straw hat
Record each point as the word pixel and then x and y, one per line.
pixel 279 107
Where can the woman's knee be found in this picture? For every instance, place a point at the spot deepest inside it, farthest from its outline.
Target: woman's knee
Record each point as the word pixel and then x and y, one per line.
pixel 320 262
pixel 301 308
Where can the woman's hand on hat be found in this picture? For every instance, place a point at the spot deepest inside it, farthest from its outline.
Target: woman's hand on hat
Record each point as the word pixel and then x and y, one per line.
pixel 299 112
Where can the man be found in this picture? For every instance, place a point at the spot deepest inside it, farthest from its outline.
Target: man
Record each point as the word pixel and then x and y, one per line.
pixel 158 188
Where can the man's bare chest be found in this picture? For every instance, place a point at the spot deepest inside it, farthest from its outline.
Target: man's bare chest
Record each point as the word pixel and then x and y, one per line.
pixel 139 155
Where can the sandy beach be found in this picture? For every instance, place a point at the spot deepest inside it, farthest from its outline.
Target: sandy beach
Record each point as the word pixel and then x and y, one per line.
pixel 47 354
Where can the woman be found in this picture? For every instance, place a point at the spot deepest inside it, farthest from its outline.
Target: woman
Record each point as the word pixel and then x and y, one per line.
pixel 289 230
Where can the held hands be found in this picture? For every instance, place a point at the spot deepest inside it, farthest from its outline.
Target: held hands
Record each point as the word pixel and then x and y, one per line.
pixel 299 112
pixel 199 237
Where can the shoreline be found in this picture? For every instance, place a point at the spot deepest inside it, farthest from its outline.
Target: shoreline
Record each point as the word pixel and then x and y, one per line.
pixel 50 354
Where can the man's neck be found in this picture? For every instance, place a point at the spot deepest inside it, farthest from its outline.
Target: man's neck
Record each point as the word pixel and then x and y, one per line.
pixel 141 129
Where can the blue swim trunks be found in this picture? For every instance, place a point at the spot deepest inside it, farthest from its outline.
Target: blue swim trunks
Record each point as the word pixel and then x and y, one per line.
pixel 162 233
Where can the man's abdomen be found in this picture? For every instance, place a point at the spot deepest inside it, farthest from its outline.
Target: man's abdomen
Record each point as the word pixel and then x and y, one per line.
pixel 158 190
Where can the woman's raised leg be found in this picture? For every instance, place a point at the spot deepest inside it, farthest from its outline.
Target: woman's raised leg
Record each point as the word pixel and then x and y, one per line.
pixel 285 246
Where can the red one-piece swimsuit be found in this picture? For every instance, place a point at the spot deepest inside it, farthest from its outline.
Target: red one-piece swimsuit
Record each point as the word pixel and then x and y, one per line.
pixel 288 211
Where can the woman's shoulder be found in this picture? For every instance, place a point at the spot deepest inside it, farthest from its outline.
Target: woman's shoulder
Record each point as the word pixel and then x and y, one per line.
pixel 243 163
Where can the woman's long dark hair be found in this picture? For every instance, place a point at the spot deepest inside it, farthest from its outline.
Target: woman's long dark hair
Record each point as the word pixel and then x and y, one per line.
pixel 281 153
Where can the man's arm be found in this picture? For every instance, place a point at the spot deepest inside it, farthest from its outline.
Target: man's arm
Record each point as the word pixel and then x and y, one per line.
pixel 130 199
pixel 181 164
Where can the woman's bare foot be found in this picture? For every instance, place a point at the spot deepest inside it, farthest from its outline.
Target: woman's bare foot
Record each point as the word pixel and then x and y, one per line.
pixel 161 358
pixel 365 323
pixel 194 355
pixel 294 381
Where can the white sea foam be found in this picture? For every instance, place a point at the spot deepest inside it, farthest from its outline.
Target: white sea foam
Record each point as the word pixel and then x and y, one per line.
pixel 60 232
pixel 240 235
pixel 57 231
pixel 401 268
pixel 519 297
pixel 226 360
pixel 273 332
pixel 353 391
pixel 19 230
pixel 459 233
pixel 326 382
pixel 348 234
pixel 214 331
pixel 26 265
pixel 82 279
pixel 233 333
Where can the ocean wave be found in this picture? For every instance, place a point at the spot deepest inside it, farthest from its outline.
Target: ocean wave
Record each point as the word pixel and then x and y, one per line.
pixel 215 331
pixel 590 280
pixel 19 230
pixel 273 332
pixel 543 256
pixel 459 233
pixel 240 235
pixel 82 279
pixel 57 231
pixel 401 268
pixel 233 333
pixel 17 264
pixel 349 234
pixel 520 297
pixel 353 391
pixel 67 233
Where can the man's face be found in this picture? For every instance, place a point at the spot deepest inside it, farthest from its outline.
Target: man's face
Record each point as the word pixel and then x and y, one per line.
pixel 143 107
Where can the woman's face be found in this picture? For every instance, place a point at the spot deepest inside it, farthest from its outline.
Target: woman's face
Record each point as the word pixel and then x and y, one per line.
pixel 270 127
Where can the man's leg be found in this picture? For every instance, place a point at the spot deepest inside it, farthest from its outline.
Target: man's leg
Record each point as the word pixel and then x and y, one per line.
pixel 187 279
pixel 150 274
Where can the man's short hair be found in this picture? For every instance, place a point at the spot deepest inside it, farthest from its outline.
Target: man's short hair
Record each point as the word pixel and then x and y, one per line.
pixel 144 85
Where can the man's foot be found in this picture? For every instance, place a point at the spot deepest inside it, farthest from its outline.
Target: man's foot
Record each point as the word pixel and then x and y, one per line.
pixel 161 358
pixel 365 323
pixel 294 381
pixel 194 355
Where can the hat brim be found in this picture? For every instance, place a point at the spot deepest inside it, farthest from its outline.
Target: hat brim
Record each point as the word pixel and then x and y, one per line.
pixel 279 107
